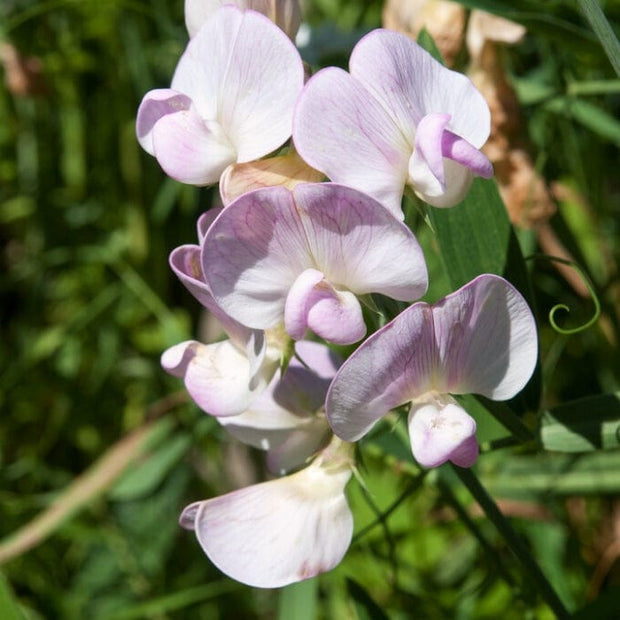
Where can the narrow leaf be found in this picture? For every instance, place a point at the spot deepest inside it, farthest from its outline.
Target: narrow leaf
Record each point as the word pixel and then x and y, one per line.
pixel 583 425
pixel 603 30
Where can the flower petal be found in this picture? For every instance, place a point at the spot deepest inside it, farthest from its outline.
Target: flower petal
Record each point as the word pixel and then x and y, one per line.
pixel 390 368
pixel 185 262
pixel 288 170
pixel 341 130
pixel 258 247
pixel 409 83
pixel 358 245
pixel 155 105
pixel 442 166
pixel 313 303
pixel 190 149
pixel 217 376
pixel 486 336
pixel 278 532
pixel 242 71
pixel 283 419
pixel 440 430
pixel 284 13
pixel 253 253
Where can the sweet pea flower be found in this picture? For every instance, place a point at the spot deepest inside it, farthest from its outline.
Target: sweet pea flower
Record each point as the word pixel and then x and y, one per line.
pixel 224 377
pixel 301 257
pixel 287 419
pixel 480 339
pixel 284 13
pixel 398 118
pixel 282 531
pixel 231 98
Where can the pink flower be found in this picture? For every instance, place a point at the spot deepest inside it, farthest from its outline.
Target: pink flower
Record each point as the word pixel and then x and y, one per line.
pixel 399 118
pixel 282 531
pixel 231 98
pixel 302 257
pixel 480 339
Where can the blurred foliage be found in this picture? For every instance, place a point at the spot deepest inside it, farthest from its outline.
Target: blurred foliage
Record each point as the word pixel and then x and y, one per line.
pixel 88 303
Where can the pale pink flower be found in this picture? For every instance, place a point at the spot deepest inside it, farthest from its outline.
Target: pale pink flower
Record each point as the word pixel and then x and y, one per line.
pixel 231 98
pixel 480 339
pixel 398 118
pixel 301 258
pixel 282 531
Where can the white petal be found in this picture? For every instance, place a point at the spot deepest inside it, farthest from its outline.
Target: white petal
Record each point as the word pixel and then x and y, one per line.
pixel 410 84
pixel 278 532
pixel 341 130
pixel 440 430
pixel 486 338
pixel 217 376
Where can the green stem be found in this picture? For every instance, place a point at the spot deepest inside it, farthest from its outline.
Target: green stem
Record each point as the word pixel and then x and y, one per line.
pixel 382 518
pixel 515 543
pixel 463 515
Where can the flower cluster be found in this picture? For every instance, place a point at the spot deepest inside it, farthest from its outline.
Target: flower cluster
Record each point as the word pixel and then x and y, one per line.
pixel 289 263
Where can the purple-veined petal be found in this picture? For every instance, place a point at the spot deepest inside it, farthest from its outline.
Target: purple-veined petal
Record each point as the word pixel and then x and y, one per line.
pixel 243 72
pixel 358 245
pixel 155 105
pixel 262 242
pixel 278 532
pixel 409 83
pixel 253 253
pixel 190 149
pixel 341 130
pixel 480 339
pixel 313 303
pixel 185 262
pixel 392 367
pixel 217 376
pixel 204 221
pixel 440 430
pixel 486 336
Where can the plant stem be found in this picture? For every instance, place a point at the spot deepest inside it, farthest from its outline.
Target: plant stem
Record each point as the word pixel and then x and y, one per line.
pixel 516 545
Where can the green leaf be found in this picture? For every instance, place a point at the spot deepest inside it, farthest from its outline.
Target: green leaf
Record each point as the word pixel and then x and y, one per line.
pixel 552 474
pixel 177 601
pixel 299 601
pixel 476 237
pixel 603 30
pixel 583 425
pixel 9 607
pixel 146 476
pixel 607 605
pixel 587 114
